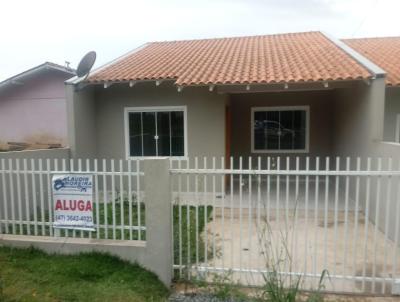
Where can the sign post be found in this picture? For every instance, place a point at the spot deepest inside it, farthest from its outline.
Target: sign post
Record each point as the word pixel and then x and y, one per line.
pixel 73 202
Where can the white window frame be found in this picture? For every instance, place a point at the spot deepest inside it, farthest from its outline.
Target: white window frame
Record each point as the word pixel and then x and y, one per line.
pixel 281 108
pixel 128 110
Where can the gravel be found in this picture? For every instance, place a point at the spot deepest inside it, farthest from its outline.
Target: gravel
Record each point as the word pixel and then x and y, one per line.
pixel 198 298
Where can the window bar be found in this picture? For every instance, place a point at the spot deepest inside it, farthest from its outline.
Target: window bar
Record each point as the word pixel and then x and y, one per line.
pixel 105 199
pixel 19 198
pixel 377 214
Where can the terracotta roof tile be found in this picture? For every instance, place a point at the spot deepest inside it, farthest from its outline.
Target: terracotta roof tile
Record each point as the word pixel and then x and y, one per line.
pixel 297 57
pixel 384 52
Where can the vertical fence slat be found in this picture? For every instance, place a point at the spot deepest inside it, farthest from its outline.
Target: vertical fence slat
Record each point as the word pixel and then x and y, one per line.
pixel 396 249
pixel 130 205
pixel 232 210
pixel 114 216
pixel 240 216
pixel 35 214
pixel 121 198
pixel 4 186
pixel 214 249
pixel 346 217
pixel 386 230
pixel 316 209
pixel 249 213
pixel 19 198
pixel 11 183
pixel 138 199
pixel 306 216
pixel 259 230
pixel 49 197
pixel 105 199
pixel 366 221
pixel 41 191
pixel 205 211
pixel 376 224
pixel 26 194
pixel 326 212
pixel 223 211
pixel 335 218
pixel 196 202
pixel 180 205
pixel 295 237
pixel 97 199
pixel 356 218
pixel 189 259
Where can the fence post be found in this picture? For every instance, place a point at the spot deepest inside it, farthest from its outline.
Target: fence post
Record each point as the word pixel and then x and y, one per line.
pixel 157 194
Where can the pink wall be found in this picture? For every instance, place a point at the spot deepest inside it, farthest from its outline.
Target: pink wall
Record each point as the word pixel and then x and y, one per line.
pixel 35 111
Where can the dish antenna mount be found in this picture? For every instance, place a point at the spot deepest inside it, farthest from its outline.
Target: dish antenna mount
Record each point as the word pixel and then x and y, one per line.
pixel 86 64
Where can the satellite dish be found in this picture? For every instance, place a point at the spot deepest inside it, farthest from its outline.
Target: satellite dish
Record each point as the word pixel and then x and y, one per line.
pixel 86 64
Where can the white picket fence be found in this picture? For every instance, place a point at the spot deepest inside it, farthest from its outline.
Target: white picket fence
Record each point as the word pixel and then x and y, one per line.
pixel 296 217
pixel 26 206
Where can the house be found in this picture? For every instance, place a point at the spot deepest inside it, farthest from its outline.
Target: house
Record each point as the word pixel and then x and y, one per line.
pixel 33 109
pixel 290 95
pixel 385 52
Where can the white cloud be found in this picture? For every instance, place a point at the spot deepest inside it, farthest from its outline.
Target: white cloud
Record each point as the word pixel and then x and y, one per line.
pixel 48 30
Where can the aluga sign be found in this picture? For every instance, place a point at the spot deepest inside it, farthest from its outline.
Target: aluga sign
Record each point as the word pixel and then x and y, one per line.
pixel 73 201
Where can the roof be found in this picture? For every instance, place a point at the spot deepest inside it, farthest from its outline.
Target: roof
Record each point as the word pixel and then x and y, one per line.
pixel 293 57
pixel 37 69
pixel 384 51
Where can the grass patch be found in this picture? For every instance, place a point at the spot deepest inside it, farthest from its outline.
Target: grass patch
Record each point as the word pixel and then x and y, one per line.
pixel 31 275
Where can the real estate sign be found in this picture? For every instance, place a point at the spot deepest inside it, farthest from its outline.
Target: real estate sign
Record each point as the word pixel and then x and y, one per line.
pixel 73 201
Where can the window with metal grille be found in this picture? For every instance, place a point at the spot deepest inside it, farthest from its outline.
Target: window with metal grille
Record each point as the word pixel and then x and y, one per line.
pixel 280 129
pixel 155 131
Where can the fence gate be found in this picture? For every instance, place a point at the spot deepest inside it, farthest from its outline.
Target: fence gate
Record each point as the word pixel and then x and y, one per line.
pixel 296 218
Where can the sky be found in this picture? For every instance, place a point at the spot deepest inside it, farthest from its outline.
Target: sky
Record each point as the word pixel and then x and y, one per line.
pixel 33 32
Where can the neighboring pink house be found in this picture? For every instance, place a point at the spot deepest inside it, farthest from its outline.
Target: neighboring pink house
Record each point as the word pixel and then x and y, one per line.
pixel 33 109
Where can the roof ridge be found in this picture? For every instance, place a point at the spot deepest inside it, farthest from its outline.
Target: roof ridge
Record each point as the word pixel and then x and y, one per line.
pixel 371 38
pixel 237 37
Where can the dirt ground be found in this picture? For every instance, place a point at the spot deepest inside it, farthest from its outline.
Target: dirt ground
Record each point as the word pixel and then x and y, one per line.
pixel 309 244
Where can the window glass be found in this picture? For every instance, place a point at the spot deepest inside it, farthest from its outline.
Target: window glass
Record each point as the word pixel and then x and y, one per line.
pixel 279 129
pixel 135 133
pixel 149 134
pixel 177 134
